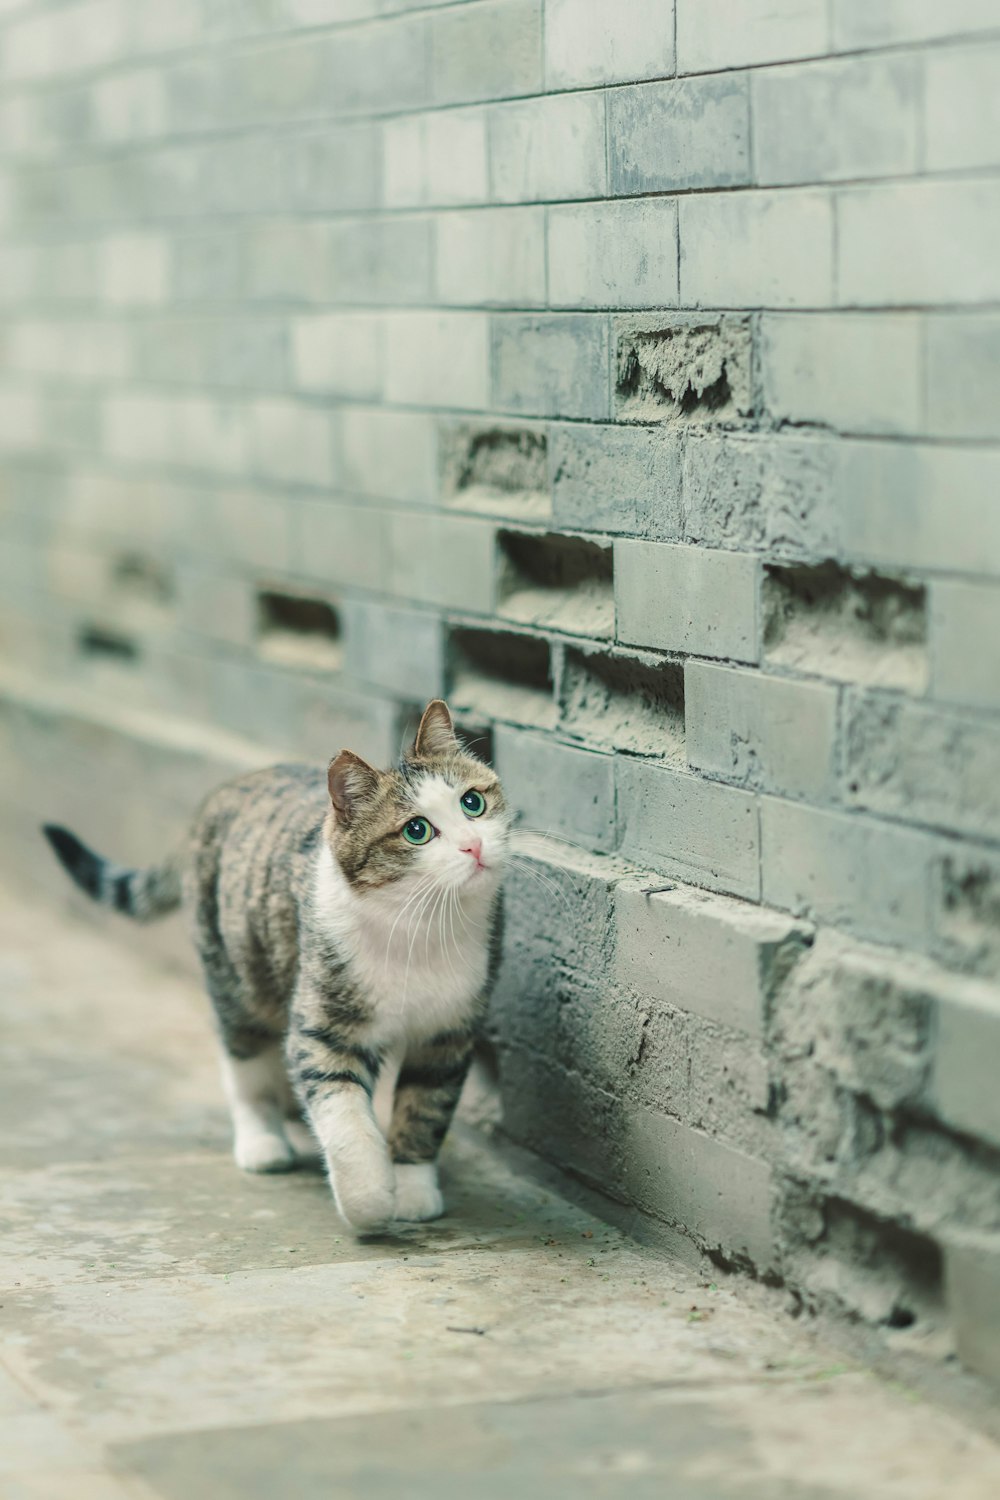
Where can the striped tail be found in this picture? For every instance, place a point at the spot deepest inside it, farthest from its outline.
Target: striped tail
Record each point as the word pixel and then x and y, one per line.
pixel 142 894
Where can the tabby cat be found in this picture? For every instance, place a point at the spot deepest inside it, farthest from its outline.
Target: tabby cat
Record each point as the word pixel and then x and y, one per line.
pixel 349 935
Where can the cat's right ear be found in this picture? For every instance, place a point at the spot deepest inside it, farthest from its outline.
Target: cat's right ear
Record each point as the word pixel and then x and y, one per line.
pixel 352 781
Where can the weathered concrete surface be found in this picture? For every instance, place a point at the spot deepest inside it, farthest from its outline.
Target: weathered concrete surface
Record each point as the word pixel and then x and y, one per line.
pixel 174 1329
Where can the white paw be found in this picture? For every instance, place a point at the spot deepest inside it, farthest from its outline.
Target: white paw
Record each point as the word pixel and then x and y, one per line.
pixel 367 1201
pixel 418 1196
pixel 263 1151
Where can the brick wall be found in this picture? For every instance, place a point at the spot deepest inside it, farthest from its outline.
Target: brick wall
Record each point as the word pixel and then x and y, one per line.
pixel 631 373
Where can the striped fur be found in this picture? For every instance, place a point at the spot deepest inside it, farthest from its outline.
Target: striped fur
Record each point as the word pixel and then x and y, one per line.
pixel 348 969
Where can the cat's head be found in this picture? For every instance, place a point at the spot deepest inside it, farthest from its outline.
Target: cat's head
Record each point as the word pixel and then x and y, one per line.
pixel 438 817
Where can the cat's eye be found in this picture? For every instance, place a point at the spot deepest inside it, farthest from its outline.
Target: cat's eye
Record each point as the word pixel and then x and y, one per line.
pixel 474 804
pixel 418 831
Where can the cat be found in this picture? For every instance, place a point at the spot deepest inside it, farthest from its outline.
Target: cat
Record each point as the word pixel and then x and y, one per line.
pixel 349 933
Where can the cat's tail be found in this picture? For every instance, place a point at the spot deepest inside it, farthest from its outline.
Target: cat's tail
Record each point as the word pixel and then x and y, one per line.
pixel 142 894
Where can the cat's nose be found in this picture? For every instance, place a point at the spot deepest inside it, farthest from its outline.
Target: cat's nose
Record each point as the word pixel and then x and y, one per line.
pixel 473 846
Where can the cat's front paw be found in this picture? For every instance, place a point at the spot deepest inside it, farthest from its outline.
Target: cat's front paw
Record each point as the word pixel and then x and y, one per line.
pixel 418 1196
pixel 368 1205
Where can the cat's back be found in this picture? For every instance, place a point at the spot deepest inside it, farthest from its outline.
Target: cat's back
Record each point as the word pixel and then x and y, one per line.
pixel 259 830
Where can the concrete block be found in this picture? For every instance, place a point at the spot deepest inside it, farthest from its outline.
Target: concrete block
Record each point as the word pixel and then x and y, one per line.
pixel 963 1087
pixel 438 359
pixel 22 422
pixel 856 372
pixel 134 270
pixel 343 545
pixel 551 366
pixel 292 443
pixel 285 261
pixel 766 733
pixel 213 603
pixel 717 1195
pixel 964 627
pixel 962 108
pixel 436 159
pixel 965 908
pixel 719 958
pixel 786 249
pixel 130 107
pixel 856 24
pixel 828 121
pixel 920 505
pixel 487 51
pixel 613 254
pixel 685 133
pixel 551 147
pixel 616 479
pixel 662 591
pixel 963 374
pixel 442 561
pixel 588 42
pixel 226 352
pixel 490 256
pixel 869 877
pixel 918 243
pixel 384 261
pixel 338 353
pixel 399 651
pixel 240 525
pixel 711 34
pixel 558 789
pixel 690 369
pixel 390 455
pixel 75 38
pixel 336 169
pixel 923 764
pixel 756 492
pixel 972 1291
pixel 699 831
pixel 81 350
pixel 374 70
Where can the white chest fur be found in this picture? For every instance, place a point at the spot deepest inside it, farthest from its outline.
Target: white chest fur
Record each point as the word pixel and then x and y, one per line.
pixel 419 955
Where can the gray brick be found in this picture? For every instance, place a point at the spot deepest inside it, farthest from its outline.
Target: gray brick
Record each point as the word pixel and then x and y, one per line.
pixel 739 726
pixel 383 261
pixel 857 24
pixel 69 351
pixel 215 604
pixel 488 51
pixel 972 1286
pixel 438 359
pixel 552 366
pixel 291 442
pixel 721 959
pixel 869 877
pixel 680 134
pixel 134 270
pixel 755 492
pixel 491 257
pixel 285 261
pixel 714 34
pixel 342 545
pixel 857 372
pixel 613 254
pixel 588 41
pixel 963 374
pixel 699 831
pixel 442 561
pixel 378 69
pixel 922 506
pixel 340 353
pixel 391 455
pixel 963 108
pixel 436 158
pixel 552 147
pixel 833 120
pixel 918 243
pixel 917 762
pixel 786 250
pixel 661 593
pixel 397 650
pixel 558 789
pixel 616 479
pixel 336 169
pixel 966 1046
pixel 965 618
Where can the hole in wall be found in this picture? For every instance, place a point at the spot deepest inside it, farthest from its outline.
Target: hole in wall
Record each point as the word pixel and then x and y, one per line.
pixel 849 624
pixel 298 630
pixel 501 675
pixel 101 643
pixel 496 469
pixel 564 582
pixel 136 576
pixel 886 1273
pixel 689 370
pixel 624 702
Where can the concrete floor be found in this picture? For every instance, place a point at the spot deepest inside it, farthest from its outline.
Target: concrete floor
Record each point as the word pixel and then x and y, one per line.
pixel 171 1328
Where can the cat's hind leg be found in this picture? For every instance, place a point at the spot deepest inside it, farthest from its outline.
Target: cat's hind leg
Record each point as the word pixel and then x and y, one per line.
pixel 259 1102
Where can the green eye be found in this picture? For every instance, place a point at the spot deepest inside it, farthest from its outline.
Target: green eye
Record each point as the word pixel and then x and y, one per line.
pixel 474 804
pixel 418 831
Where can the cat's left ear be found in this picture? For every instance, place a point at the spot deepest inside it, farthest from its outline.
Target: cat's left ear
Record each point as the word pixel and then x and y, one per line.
pixel 436 735
pixel 352 781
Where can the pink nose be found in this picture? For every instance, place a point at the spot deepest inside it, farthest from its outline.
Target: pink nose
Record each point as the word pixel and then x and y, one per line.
pixel 473 846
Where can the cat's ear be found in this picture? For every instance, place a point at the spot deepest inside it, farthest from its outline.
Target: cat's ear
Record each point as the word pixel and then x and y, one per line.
pixel 436 735
pixel 352 782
